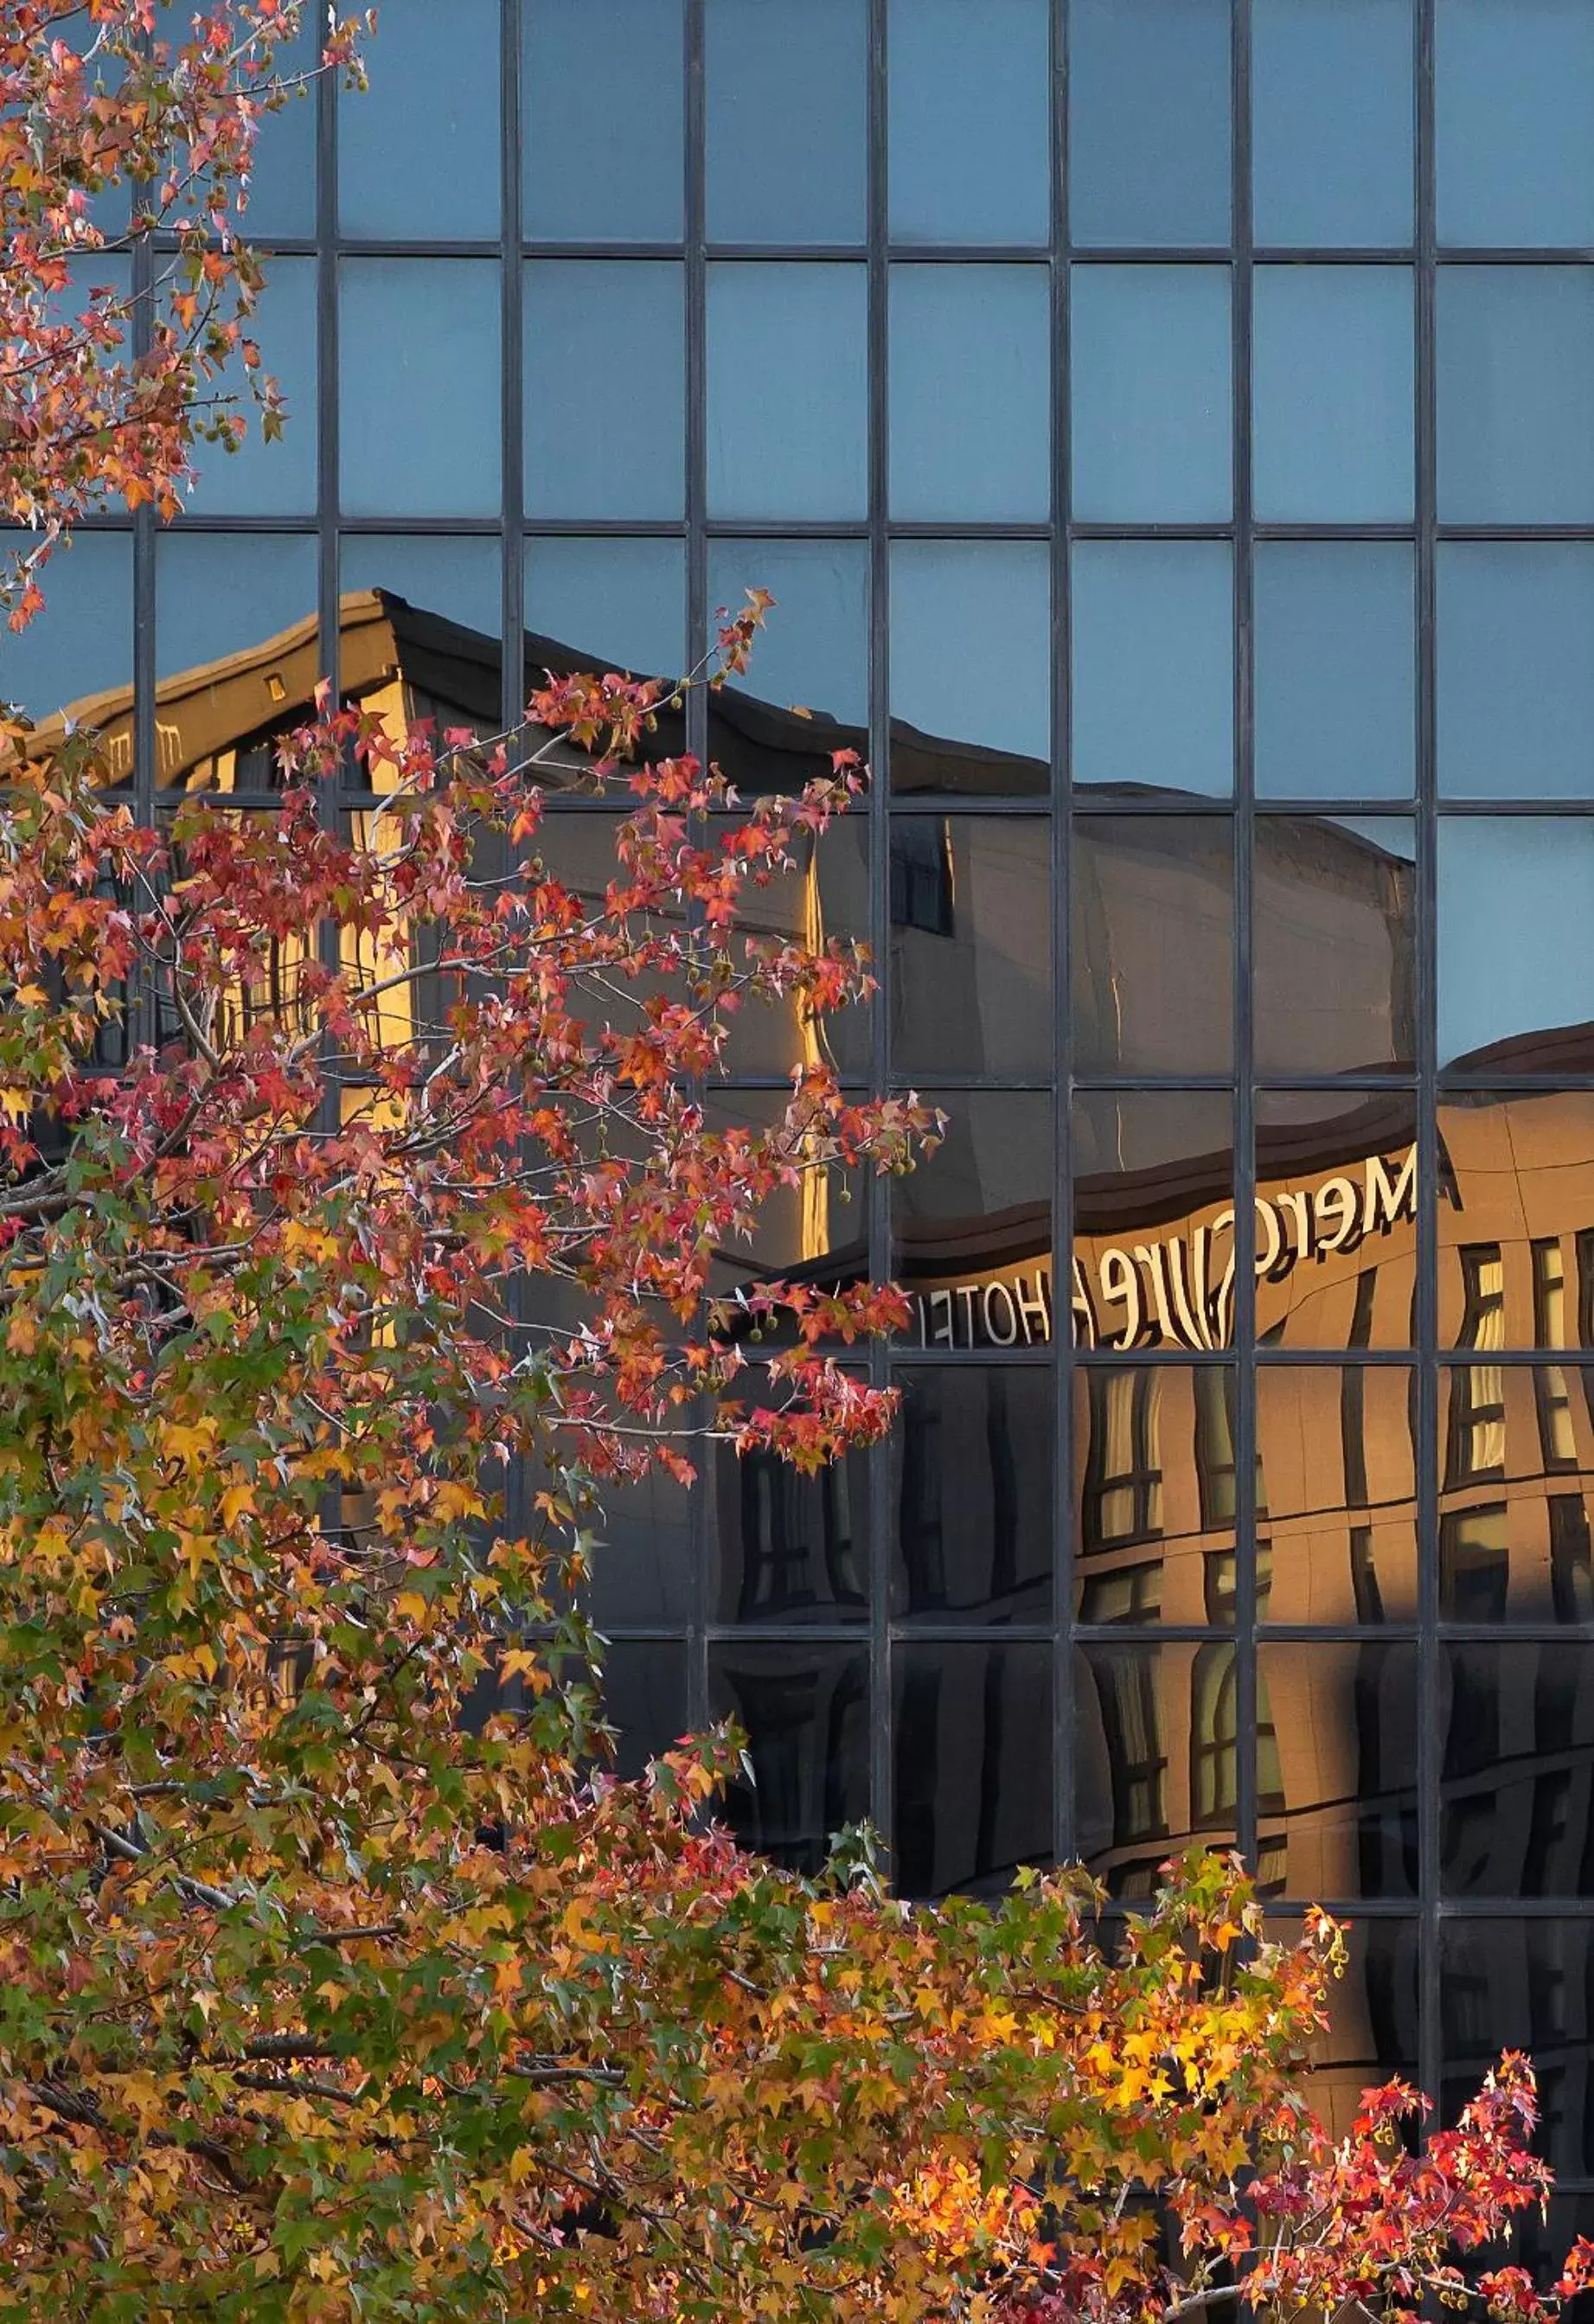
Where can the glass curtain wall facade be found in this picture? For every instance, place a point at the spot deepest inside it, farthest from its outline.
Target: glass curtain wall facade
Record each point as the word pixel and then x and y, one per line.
pixel 1164 427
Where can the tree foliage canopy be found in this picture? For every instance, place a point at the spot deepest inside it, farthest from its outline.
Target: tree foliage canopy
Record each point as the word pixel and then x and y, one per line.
pixel 322 1998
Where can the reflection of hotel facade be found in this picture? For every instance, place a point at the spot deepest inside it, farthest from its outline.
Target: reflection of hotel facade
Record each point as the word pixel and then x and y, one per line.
pixel 1168 451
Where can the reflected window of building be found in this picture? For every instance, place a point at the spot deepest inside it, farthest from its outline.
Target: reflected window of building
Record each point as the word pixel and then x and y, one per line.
pixel 791 1547
pixel 1124 1690
pixel 1123 1464
pixel 1571 1558
pixel 921 875
pixel 1474 1435
pixel 1214 1736
pixel 1124 1598
pixel 1474 1565
pixel 805 1711
pixel 972 1492
pixel 1365 1584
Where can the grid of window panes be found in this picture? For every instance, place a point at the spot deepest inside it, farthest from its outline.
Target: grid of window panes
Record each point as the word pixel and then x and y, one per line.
pixel 1161 424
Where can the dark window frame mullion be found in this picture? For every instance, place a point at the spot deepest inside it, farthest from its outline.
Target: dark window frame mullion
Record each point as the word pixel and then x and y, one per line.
pixel 1065 1553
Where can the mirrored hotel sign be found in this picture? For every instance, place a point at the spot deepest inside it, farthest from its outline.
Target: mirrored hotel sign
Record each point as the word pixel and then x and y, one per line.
pixel 1177 1289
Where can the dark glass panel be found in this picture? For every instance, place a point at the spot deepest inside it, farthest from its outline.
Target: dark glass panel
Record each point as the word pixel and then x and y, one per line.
pixel 1152 393
pixel 786 1547
pixel 1515 942
pixel 1152 1219
pixel 786 84
pixel 804 1712
pixel 1152 937
pixel 1333 384
pixel 1514 345
pixel 606 432
pixel 608 169
pixel 1372 2033
pixel 1515 677
pixel 1337 1767
pixel 970 393
pixel 969 142
pixel 1333 123
pixel 979 1209
pixel 621 604
pixel 1523 1985
pixel 812 653
pixel 1333 944
pixel 1515 1456
pixel 1515 1215
pixel 970 983
pixel 815 1230
pixel 260 478
pixel 1148 132
pixel 220 595
pixel 971 1495
pixel 787 398
pixel 973 1766
pixel 644 1696
pixel 1154 1495
pixel 1335 669
pixel 640 1562
pixel 823 901
pixel 81 644
pixel 1153 661
pixel 438 72
pixel 1517 1730
pixel 1137 1710
pixel 1336 1219
pixel 1514 92
pixel 958 607
pixel 419 437
pixel 1337 1480
pixel 460 579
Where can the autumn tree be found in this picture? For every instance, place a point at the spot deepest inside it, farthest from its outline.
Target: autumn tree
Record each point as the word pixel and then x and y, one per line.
pixel 325 1995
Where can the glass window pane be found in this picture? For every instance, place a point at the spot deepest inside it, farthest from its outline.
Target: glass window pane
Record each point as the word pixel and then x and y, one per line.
pixel 972 1765
pixel 645 1698
pixel 970 945
pixel 1333 944
pixel 231 612
pixel 804 1712
pixel 1337 1767
pixel 1336 1465
pixel 605 431
pixel 1154 1460
pixel 1514 94
pixel 1333 123
pixel 958 607
pixel 824 899
pixel 1517 1728
pixel 1148 143
pixel 1333 387
pixel 1515 669
pixel 1130 1768
pixel 786 93
pixel 813 650
pixel 419 437
pixel 81 644
pixel 1525 1985
pixel 1514 350
pixel 787 398
pixel 462 580
pixel 642 1563
pixel 1152 395
pixel 282 182
pixel 970 144
pixel 1516 1255
pixel 1152 931
pixel 1515 1458
pixel 608 169
pixel 786 1547
pixel 1154 665
pixel 1142 1277
pixel 438 72
pixel 983 1200
pixel 1516 937
pixel 1335 669
pixel 261 478
pixel 971 1489
pixel 1336 1174
pixel 970 393
pixel 621 604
